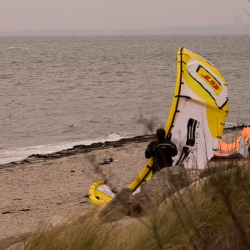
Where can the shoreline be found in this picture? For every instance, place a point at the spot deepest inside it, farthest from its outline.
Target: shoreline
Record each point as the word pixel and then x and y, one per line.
pixel 82 148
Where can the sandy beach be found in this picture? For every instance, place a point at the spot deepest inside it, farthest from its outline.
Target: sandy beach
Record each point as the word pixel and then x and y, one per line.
pixel 38 189
pixel 42 187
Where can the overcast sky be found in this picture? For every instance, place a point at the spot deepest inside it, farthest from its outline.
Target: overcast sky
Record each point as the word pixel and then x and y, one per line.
pixel 16 15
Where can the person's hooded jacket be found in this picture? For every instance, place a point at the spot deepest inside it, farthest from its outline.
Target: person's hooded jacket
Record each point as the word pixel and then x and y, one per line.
pixel 161 150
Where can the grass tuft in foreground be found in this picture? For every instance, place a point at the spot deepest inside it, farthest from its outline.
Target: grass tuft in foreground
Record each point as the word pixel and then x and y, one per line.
pixel 213 213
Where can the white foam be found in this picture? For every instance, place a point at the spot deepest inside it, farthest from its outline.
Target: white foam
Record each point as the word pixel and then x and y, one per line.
pixel 18 154
pixel 234 124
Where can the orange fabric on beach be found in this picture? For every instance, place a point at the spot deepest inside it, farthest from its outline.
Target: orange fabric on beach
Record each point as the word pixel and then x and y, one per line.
pixel 246 133
pixel 225 149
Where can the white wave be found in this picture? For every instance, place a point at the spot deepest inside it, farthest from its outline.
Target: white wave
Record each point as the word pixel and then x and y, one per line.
pixel 18 154
pixel 234 124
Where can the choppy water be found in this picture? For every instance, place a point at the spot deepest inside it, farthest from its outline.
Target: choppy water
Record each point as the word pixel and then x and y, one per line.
pixel 57 92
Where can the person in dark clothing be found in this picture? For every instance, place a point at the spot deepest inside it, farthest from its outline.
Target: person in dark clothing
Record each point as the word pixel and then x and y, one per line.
pixel 161 150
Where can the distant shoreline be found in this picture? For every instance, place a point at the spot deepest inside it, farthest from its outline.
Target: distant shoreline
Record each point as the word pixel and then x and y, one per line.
pixel 227 29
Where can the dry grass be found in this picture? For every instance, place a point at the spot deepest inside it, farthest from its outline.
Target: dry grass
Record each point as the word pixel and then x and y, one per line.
pixel 213 216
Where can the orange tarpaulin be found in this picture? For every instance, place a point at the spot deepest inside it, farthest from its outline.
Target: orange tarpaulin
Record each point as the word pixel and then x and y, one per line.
pixel 240 145
pixel 246 133
pixel 225 149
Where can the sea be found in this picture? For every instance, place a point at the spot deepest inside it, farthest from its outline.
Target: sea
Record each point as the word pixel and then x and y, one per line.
pixel 60 91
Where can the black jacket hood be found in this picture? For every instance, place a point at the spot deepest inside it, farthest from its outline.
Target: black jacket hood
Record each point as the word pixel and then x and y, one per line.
pixel 160 133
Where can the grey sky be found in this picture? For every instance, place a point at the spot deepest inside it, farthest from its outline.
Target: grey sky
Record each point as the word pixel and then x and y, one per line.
pixel 16 15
